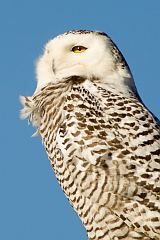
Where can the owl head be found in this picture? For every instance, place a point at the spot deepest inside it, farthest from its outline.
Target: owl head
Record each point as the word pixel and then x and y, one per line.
pixel 91 55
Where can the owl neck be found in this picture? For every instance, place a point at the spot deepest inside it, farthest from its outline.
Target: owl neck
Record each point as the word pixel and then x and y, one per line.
pixel 120 83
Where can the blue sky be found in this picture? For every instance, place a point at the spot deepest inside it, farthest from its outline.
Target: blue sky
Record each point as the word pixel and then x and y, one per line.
pixel 32 205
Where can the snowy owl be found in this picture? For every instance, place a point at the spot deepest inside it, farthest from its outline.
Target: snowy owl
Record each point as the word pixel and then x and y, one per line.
pixel 102 142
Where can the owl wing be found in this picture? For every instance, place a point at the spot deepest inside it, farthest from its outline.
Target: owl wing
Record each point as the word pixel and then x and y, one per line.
pixel 114 150
pixel 110 145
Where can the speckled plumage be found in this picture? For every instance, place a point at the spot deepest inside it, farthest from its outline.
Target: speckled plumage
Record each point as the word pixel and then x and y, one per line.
pixel 104 147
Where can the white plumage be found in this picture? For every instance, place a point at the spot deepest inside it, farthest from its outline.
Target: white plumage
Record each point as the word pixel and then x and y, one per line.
pixel 103 144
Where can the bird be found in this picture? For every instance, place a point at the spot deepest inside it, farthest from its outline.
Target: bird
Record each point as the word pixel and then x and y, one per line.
pixel 102 141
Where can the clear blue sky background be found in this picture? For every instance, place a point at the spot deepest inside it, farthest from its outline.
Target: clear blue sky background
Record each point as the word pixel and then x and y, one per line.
pixel 32 205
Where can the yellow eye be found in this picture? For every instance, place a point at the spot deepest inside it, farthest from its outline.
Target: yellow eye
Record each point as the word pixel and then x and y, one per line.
pixel 78 49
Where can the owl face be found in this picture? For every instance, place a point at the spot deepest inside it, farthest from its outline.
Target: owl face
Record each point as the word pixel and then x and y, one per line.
pixel 87 54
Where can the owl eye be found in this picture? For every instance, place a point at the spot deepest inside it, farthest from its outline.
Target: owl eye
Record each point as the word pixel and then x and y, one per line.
pixel 78 49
